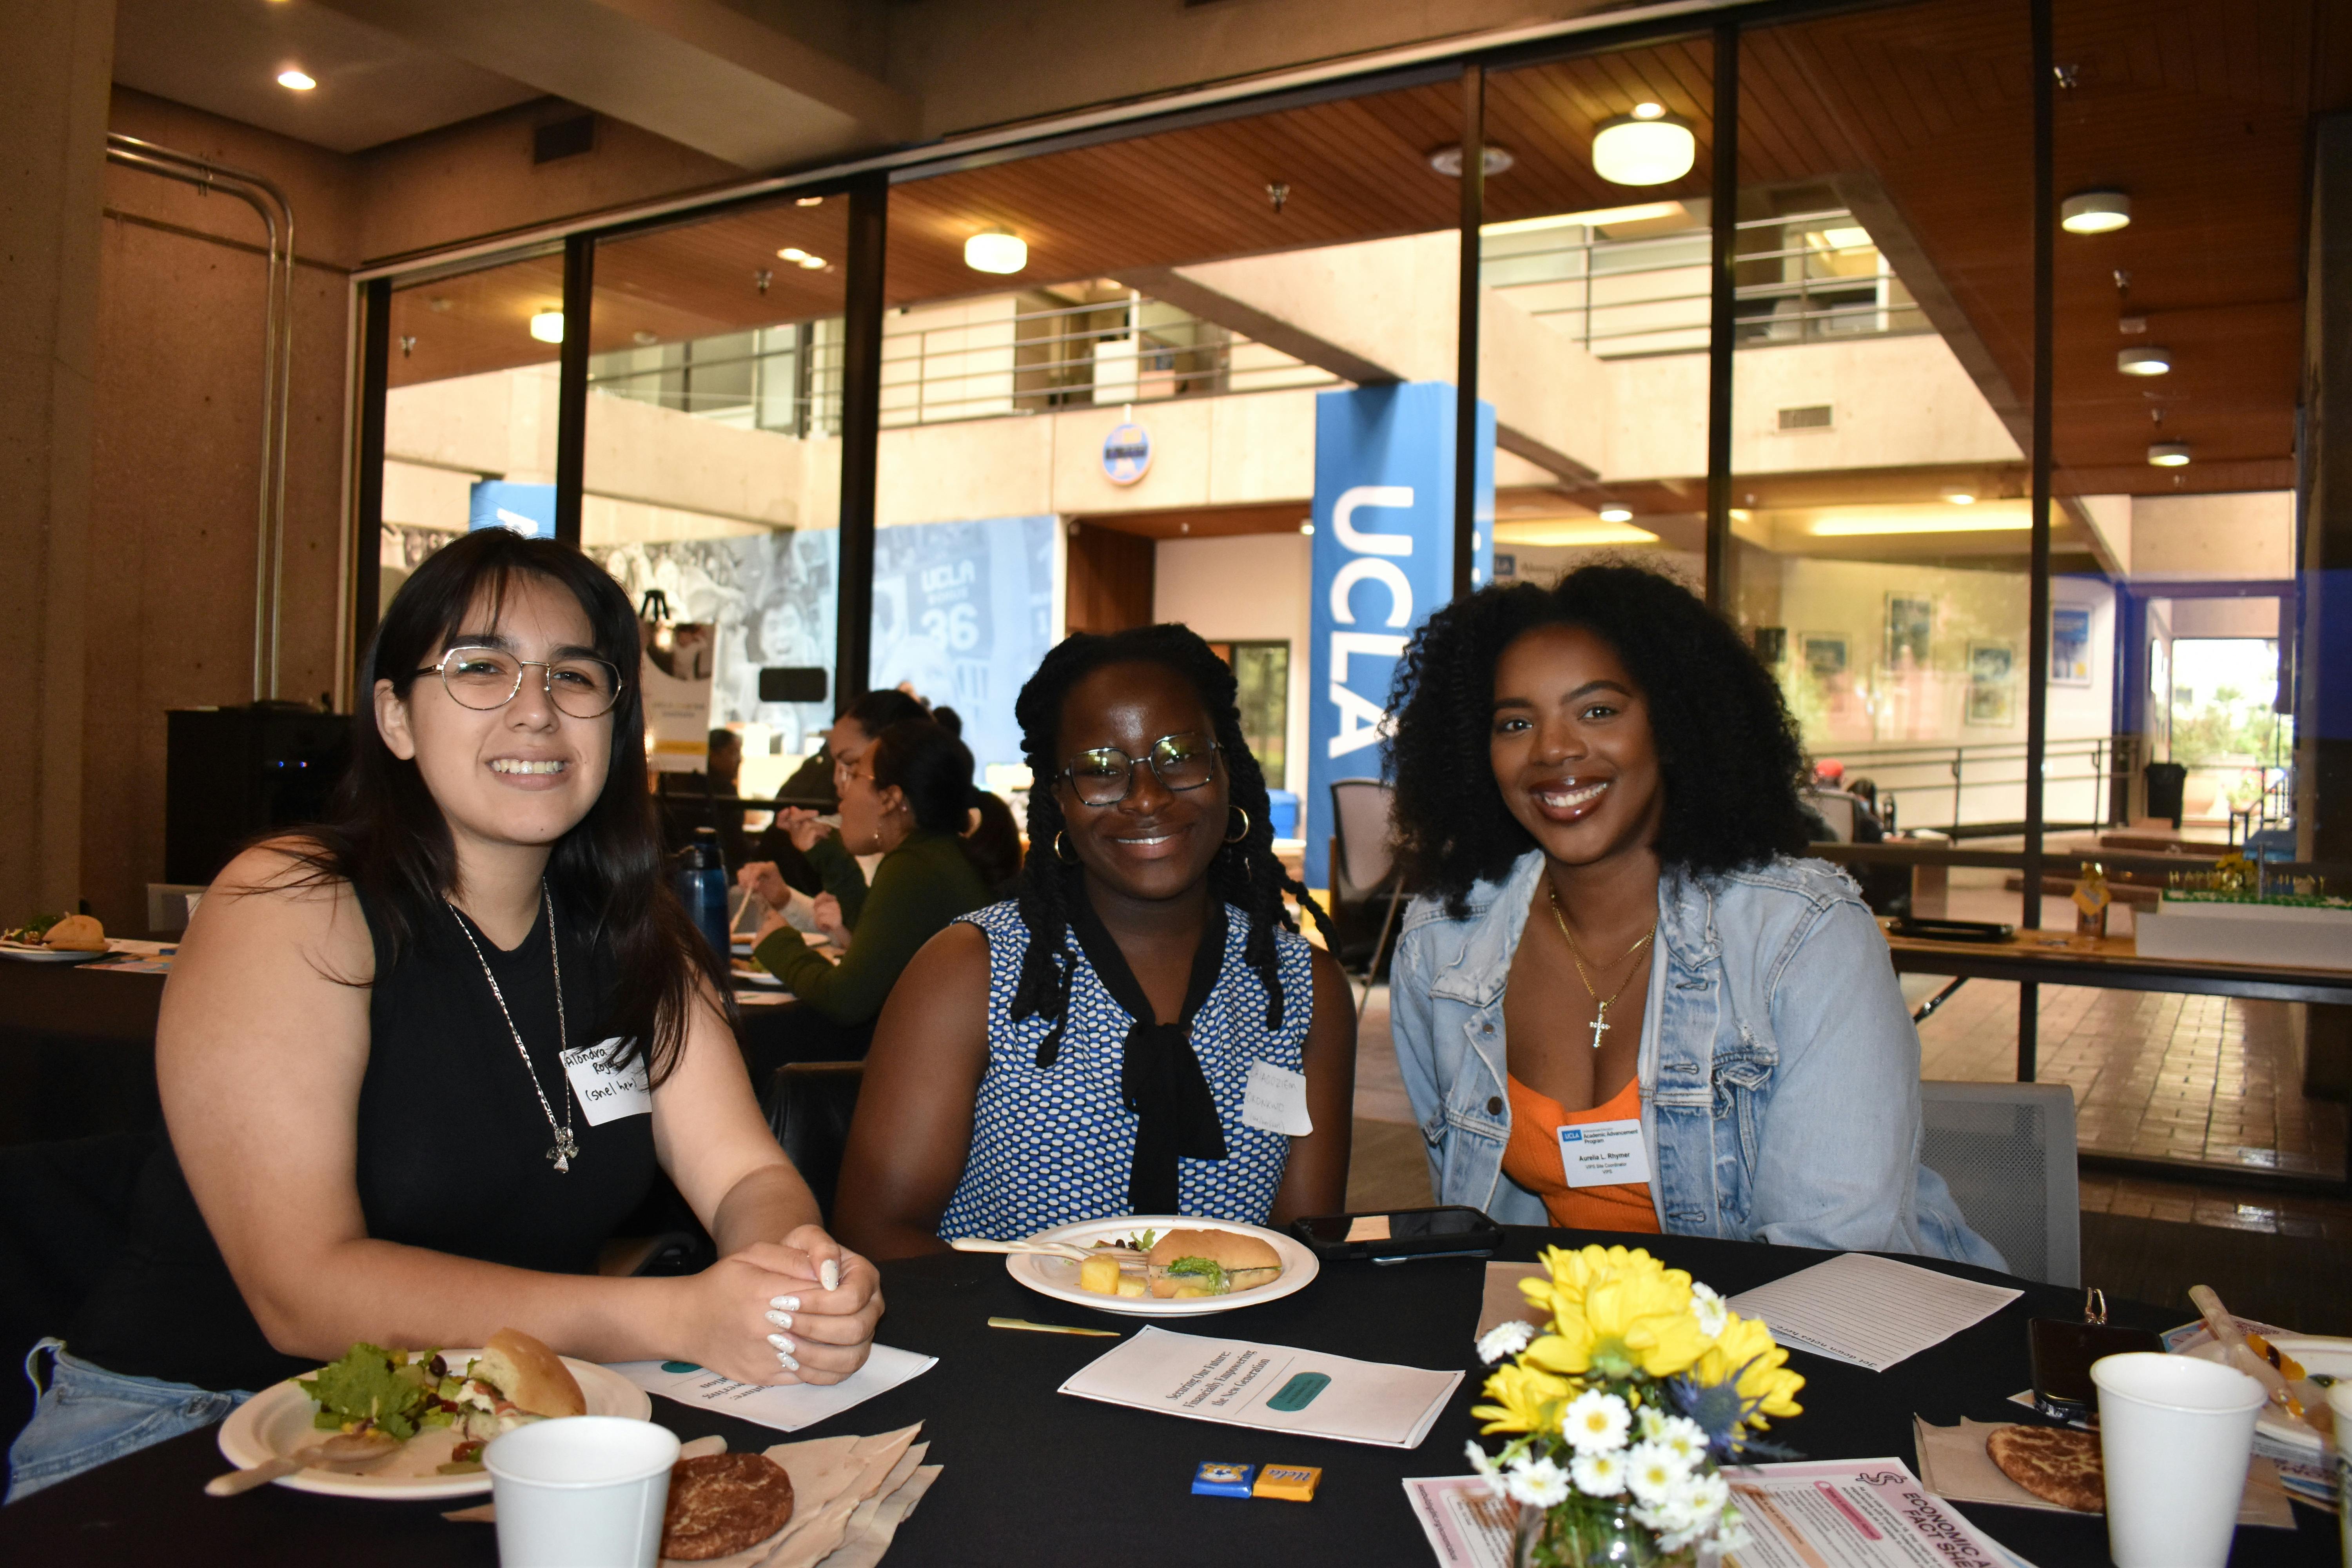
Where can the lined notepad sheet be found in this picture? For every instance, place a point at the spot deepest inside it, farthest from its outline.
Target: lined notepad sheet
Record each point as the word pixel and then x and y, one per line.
pixel 1869 1312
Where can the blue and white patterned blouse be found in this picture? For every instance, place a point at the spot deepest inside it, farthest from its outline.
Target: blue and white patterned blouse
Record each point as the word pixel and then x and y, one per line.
pixel 1051 1146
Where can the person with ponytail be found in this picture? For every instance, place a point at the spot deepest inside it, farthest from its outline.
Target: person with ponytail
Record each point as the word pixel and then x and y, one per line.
pixel 418 1061
pixel 1085 1048
pixel 907 797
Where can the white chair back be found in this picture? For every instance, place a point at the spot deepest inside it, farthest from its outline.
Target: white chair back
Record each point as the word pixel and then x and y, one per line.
pixel 1836 807
pixel 2007 1151
pixel 1361 809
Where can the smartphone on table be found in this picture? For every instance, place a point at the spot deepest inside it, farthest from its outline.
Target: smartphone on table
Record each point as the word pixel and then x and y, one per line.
pixel 1452 1230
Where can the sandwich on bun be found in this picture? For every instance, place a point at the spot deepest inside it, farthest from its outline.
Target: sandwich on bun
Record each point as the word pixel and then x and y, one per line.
pixel 1189 1263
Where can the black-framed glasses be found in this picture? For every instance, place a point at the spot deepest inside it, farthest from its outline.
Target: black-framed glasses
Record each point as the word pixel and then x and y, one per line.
pixel 1104 776
pixel 486 678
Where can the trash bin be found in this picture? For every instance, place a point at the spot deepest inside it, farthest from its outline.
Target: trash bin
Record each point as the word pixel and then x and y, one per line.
pixel 2167 787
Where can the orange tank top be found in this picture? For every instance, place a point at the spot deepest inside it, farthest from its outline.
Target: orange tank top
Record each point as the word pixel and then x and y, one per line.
pixel 1532 1159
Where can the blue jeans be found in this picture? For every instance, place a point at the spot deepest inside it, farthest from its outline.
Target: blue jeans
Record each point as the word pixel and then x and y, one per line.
pixel 88 1415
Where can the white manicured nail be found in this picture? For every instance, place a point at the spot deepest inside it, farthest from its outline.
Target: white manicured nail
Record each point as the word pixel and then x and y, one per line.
pixel 781 1344
pixel 786 1362
pixel 781 1319
pixel 786 1303
pixel 829 1274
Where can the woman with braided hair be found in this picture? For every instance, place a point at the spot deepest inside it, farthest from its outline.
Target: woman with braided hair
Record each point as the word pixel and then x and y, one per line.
pixel 1085 1048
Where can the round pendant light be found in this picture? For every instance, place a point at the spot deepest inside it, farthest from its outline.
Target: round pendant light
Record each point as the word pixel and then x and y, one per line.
pixel 2144 362
pixel 1447 160
pixel 1647 147
pixel 2168 454
pixel 996 250
pixel 547 326
pixel 1616 512
pixel 2094 212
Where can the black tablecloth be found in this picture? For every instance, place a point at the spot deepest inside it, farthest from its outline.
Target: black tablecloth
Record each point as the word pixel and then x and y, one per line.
pixel 1035 1479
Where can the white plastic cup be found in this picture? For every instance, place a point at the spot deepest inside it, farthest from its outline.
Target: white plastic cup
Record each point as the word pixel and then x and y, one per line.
pixel 2339 1404
pixel 585 1492
pixel 2175 1433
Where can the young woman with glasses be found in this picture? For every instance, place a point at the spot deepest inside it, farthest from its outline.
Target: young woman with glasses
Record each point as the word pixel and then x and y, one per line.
pixel 1622 1003
pixel 416 1063
pixel 1084 1049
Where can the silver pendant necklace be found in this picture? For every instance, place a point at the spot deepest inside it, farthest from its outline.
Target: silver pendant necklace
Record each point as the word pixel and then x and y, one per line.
pixel 566 1144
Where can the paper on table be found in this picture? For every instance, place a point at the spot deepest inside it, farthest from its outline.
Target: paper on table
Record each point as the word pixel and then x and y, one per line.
pixel 1869 1312
pixel 1953 1466
pixel 832 1478
pixel 787 1408
pixel 1467 1525
pixel 1853 1513
pixel 1275 1387
pixel 1505 1302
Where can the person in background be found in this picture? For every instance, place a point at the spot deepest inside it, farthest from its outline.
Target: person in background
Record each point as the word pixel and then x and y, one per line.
pixel 380 1034
pixel 907 799
pixel 1084 1049
pixel 724 762
pixel 993 842
pixel 1617 935
pixel 779 864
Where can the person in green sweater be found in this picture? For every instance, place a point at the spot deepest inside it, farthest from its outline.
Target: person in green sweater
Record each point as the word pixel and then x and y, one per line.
pixel 908 798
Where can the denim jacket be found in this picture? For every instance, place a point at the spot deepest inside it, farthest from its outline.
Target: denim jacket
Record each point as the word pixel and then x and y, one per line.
pixel 1779 1072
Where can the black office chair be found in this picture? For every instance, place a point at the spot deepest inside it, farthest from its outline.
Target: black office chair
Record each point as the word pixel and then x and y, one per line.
pixel 809 1106
pixel 1367 888
pixel 64 1214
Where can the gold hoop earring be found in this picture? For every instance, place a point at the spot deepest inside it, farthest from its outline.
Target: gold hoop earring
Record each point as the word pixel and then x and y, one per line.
pixel 1245 833
pixel 1060 844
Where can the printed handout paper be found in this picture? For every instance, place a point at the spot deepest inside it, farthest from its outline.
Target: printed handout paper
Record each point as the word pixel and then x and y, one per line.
pixel 1275 1388
pixel 787 1408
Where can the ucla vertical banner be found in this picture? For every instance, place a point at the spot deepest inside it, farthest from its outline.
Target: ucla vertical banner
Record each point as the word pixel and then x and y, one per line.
pixel 1383 560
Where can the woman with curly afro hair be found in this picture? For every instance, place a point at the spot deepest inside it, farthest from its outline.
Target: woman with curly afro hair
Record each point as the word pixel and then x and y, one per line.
pixel 1141 1029
pixel 1621 1002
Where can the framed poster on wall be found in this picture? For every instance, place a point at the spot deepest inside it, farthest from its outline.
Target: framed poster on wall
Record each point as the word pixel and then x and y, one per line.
pixel 1910 624
pixel 1823 653
pixel 1992 684
pixel 2070 646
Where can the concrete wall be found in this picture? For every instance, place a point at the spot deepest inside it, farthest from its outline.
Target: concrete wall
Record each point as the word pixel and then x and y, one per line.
pixel 1249 587
pixel 2213 538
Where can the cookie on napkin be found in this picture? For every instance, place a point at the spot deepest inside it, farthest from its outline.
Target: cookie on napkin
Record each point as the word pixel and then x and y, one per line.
pixel 722 1503
pixel 2056 1464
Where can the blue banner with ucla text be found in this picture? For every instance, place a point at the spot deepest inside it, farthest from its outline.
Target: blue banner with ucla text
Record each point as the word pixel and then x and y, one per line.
pixel 1384 467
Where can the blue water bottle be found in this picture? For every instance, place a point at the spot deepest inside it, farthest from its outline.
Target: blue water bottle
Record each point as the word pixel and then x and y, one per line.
pixel 702 888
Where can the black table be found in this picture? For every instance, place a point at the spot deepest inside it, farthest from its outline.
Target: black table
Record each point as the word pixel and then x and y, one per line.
pixel 1035 1479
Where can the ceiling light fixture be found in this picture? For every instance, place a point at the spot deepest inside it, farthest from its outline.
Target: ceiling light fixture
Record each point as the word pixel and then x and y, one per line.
pixel 809 201
pixel 799 257
pixel 996 250
pixel 547 326
pixel 2168 454
pixel 1647 147
pixel 1447 160
pixel 1614 512
pixel 1960 498
pixel 2094 212
pixel 294 80
pixel 2144 362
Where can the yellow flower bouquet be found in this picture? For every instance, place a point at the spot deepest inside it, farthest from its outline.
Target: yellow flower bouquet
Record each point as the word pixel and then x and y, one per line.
pixel 1623 1406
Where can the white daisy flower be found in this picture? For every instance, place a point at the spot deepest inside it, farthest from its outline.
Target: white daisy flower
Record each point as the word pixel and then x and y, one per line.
pixel 1713 1316
pixel 1692 1507
pixel 1595 1422
pixel 1652 1473
pixel 1681 1436
pixel 1599 1475
pixel 1483 1464
pixel 1647 1420
pixel 1505 1340
pixel 1731 1530
pixel 1539 1483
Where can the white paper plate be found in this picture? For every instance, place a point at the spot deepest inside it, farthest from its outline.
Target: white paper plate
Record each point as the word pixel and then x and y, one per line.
pixel 278 1421
pixel 1058 1277
pixel 2328 1357
pixel 45 954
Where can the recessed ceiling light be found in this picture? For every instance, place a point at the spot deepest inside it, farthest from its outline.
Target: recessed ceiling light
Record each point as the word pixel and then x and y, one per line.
pixel 547 326
pixel 1644 149
pixel 809 201
pixel 294 80
pixel 2094 212
pixel 2168 454
pixel 1308 529
pixel 1447 160
pixel 1961 497
pixel 996 250
pixel 642 339
pixel 790 253
pixel 2144 362
pixel 1616 514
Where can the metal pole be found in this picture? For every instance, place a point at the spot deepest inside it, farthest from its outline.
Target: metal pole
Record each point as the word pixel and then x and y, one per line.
pixel 861 433
pixel 1722 317
pixel 572 386
pixel 2037 663
pixel 367 508
pixel 1465 329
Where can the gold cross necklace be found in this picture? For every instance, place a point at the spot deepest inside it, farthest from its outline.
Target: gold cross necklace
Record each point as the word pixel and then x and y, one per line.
pixel 1600 1024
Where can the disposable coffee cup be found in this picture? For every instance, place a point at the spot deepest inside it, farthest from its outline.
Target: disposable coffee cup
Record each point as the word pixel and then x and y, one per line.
pixel 2175 1433
pixel 2339 1404
pixel 585 1492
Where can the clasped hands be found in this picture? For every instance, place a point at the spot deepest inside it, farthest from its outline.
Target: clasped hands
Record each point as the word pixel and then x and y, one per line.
pixel 799 1310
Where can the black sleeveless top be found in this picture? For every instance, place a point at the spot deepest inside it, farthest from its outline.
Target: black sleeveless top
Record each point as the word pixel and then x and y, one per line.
pixel 452 1156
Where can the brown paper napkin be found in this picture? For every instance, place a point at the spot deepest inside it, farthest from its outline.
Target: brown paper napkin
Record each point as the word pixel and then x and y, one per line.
pixel 1953 1465
pixel 1504 1303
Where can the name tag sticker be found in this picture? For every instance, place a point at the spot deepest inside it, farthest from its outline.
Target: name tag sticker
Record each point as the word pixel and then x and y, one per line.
pixel 1276 1101
pixel 1605 1153
pixel 607 1093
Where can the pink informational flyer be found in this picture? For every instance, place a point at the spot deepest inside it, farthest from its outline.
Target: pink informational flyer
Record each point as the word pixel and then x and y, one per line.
pixel 1853 1513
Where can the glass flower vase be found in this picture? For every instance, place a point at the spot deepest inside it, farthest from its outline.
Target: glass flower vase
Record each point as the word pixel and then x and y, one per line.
pixel 1591 1532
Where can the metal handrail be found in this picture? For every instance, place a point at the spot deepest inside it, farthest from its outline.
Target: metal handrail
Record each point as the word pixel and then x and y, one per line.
pixel 2108 757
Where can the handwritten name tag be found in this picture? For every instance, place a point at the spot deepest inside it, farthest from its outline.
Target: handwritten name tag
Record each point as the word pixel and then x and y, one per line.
pixel 1276 1101
pixel 607 1093
pixel 1605 1153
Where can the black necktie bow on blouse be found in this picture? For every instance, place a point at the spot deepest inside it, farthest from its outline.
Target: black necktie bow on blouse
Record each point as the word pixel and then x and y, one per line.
pixel 1160 1078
